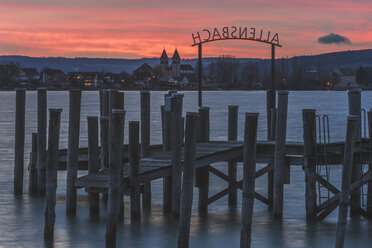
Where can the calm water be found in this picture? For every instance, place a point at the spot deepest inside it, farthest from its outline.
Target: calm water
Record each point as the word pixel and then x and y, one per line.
pixel 22 219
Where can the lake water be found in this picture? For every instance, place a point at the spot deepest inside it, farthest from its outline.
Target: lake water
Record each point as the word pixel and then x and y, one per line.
pixel 22 218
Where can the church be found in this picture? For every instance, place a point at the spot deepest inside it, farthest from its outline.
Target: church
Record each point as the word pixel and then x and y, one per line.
pixel 176 74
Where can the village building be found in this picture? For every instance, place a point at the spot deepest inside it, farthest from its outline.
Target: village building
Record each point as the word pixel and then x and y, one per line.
pixel 343 78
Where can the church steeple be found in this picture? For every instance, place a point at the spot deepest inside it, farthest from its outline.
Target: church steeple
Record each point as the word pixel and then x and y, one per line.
pixel 164 60
pixel 176 60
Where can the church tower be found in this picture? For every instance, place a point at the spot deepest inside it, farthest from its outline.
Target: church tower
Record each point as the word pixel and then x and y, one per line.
pixel 176 60
pixel 164 60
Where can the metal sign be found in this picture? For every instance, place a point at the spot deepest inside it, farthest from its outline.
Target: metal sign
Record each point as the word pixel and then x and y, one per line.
pixel 236 33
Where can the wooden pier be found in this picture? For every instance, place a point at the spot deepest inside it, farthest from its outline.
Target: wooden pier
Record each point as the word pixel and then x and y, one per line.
pixel 115 169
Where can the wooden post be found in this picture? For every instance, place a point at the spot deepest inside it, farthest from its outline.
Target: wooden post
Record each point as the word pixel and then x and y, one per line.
pixel 104 127
pixel 19 140
pixel 369 191
pixel 145 142
pixel 200 76
pixel 135 211
pixel 73 149
pixel 309 135
pixel 115 172
pixel 167 181
pixel 188 180
pixel 351 134
pixel 281 130
pixel 93 162
pixel 232 136
pixel 41 139
pixel 32 171
pixel 202 174
pixel 176 152
pixel 249 171
pixel 51 173
pixel 354 97
pixel 270 174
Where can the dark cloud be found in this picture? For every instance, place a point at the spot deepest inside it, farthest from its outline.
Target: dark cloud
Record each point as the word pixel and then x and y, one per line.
pixel 334 39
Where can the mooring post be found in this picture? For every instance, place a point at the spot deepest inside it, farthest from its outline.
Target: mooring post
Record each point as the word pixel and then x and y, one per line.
pixel 19 145
pixel 32 171
pixel 351 135
pixel 369 190
pixel 115 174
pixel 281 130
pixel 167 181
pixel 309 166
pixel 232 136
pixel 93 162
pixel 145 142
pixel 104 127
pixel 135 201
pixel 177 99
pixel 51 173
pixel 41 139
pixel 270 174
pixel 73 149
pixel 202 174
pixel 354 97
pixel 249 172
pixel 188 179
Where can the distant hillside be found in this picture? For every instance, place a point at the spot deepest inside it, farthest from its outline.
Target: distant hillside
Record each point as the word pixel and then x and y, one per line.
pixel 328 61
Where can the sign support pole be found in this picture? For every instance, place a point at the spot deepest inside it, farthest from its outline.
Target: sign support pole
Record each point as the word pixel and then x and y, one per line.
pixel 200 75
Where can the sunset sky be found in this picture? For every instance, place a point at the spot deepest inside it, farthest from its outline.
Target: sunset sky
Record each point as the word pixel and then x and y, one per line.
pixel 136 29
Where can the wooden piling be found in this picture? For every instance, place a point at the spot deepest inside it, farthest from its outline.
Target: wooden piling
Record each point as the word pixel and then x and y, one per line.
pixel 19 145
pixel 145 142
pixel 32 170
pixel 351 135
pixel 51 173
pixel 167 181
pixel 188 180
pixel 249 171
pixel 93 162
pixel 270 174
pixel 135 202
pixel 354 99
pixel 309 136
pixel 104 128
pixel 115 174
pixel 369 190
pixel 202 174
pixel 72 150
pixel 232 136
pixel 177 99
pixel 41 139
pixel 281 130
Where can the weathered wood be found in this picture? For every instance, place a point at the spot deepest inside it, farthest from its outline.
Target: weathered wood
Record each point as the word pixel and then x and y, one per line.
pixel 19 145
pixel 116 172
pixel 309 136
pixel 188 180
pixel 51 173
pixel 354 99
pixel 369 190
pixel 135 206
pixel 351 135
pixel 93 162
pixel 41 139
pixel 104 129
pixel 281 129
pixel 32 170
pixel 73 147
pixel 202 174
pixel 249 170
pixel 176 152
pixel 167 180
pixel 270 174
pixel 232 136
pixel 145 142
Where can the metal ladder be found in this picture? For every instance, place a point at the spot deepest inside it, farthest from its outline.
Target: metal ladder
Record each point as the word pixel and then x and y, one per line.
pixel 323 138
pixel 364 167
